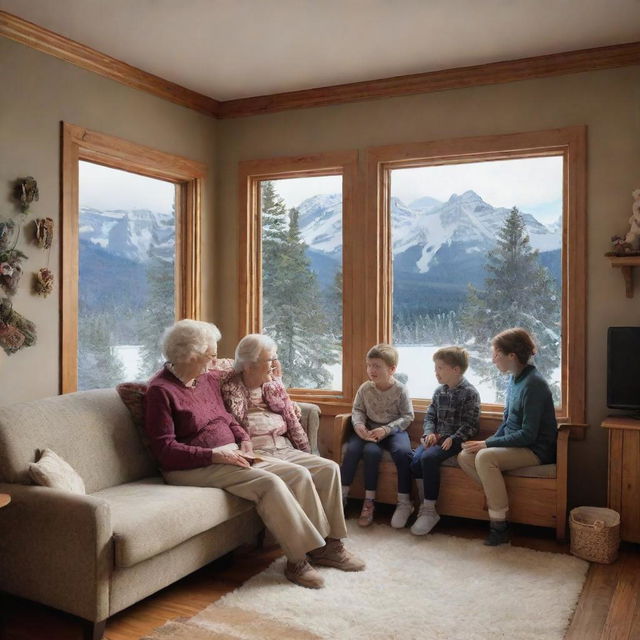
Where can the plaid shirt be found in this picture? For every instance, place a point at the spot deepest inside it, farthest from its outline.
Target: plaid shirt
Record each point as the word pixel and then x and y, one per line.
pixel 454 411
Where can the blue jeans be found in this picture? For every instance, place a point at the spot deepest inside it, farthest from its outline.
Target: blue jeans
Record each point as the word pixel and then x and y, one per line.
pixel 426 465
pixel 397 444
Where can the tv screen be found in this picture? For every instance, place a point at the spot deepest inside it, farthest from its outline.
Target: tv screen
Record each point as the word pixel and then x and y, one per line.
pixel 623 368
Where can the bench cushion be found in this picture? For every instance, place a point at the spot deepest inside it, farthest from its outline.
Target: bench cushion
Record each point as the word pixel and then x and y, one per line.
pixel 149 516
pixel 537 471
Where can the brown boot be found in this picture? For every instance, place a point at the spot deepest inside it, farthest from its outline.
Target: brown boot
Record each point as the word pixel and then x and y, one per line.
pixel 333 554
pixel 303 574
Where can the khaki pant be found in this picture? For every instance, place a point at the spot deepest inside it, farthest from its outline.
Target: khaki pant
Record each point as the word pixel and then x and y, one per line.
pixel 284 494
pixel 486 468
pixel 326 478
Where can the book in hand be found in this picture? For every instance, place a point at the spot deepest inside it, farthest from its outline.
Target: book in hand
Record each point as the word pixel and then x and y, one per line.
pixel 251 458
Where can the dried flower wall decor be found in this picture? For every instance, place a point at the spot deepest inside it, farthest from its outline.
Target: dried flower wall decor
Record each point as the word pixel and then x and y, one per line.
pixel 44 232
pixel 16 331
pixel 25 191
pixel 43 282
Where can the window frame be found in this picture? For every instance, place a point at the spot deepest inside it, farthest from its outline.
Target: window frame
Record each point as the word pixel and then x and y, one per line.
pixel 79 143
pixel 570 143
pixel 251 174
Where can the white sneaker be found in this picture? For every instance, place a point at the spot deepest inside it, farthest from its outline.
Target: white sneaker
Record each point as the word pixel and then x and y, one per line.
pixel 426 520
pixel 401 514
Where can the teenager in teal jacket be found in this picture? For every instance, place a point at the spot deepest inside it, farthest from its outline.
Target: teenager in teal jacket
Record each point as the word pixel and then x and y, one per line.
pixel 526 437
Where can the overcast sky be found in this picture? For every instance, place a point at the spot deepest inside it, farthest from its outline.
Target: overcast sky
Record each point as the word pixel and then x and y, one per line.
pixel 534 185
pixel 106 189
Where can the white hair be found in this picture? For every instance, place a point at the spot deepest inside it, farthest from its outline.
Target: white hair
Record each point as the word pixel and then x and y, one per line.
pixel 250 348
pixel 188 337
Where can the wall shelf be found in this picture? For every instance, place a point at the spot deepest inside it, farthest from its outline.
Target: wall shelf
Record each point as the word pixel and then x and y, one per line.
pixel 626 264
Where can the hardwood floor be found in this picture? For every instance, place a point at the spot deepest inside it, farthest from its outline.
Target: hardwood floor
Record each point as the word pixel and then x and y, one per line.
pixel 608 609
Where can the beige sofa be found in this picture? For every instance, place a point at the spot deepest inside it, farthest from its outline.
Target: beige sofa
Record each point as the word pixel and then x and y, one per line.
pixel 93 555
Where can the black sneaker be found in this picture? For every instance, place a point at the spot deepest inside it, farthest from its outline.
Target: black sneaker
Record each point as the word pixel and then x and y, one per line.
pixel 498 534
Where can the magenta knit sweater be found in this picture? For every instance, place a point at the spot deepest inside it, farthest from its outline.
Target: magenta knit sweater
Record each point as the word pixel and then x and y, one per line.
pixel 185 423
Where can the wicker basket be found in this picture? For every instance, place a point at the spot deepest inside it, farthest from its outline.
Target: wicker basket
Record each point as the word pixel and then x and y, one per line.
pixel 595 534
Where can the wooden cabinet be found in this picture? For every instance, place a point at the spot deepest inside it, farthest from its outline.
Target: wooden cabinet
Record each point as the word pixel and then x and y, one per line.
pixel 624 473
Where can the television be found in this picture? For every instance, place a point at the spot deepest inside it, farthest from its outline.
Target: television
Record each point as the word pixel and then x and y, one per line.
pixel 623 368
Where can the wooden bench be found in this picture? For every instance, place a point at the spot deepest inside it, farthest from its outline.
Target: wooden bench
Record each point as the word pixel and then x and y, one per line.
pixel 537 495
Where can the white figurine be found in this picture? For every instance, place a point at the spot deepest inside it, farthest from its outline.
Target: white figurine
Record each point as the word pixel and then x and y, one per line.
pixel 633 235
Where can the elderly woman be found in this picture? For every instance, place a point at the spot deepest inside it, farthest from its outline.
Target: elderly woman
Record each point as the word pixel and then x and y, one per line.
pixel 527 435
pixel 258 400
pixel 198 443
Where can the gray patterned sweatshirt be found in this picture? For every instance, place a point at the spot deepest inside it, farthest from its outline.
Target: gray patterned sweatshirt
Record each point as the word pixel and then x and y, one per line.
pixel 390 409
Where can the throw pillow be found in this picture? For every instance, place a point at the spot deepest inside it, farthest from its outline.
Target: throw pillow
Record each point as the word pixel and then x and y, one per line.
pixel 52 471
pixel 132 395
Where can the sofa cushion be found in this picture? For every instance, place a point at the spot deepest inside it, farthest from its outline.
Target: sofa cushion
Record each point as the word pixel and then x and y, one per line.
pixel 52 471
pixel 91 430
pixel 149 516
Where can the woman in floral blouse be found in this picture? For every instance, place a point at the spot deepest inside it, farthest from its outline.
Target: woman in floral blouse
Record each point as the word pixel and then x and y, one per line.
pixel 256 397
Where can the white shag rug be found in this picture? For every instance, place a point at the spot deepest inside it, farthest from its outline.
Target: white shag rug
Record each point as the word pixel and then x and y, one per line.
pixel 435 587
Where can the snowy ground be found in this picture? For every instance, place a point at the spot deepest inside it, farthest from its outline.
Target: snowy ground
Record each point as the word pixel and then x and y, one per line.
pixel 416 361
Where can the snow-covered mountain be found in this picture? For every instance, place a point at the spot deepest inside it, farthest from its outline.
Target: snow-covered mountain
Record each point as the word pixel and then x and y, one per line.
pixel 129 234
pixel 422 231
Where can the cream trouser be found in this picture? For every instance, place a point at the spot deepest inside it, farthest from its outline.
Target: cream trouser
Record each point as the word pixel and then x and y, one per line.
pixel 486 468
pixel 284 494
pixel 326 478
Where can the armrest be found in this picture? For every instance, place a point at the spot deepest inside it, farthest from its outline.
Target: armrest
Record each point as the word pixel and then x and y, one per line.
pixel 341 424
pixel 310 421
pixel 55 548
pixel 576 430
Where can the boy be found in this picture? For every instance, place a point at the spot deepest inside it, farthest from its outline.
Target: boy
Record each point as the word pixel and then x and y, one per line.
pixel 382 411
pixel 451 419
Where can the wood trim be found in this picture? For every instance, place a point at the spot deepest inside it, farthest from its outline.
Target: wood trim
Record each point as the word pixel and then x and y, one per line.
pixel 471 76
pixel 251 173
pixel 69 208
pixel 64 48
pixel 569 142
pixel 78 144
pixel 51 43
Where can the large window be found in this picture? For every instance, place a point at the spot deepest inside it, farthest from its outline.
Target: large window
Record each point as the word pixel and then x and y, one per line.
pixel 130 267
pixel 294 212
pixel 302 277
pixel 476 248
pixel 444 242
pixel 126 274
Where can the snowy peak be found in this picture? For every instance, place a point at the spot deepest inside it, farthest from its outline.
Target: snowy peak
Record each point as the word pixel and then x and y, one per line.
pixel 136 234
pixel 424 227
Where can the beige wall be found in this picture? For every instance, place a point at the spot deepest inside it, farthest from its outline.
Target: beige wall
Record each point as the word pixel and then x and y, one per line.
pixel 39 91
pixel 608 102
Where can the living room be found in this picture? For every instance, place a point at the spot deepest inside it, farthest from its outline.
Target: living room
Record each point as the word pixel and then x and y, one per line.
pixel 584 94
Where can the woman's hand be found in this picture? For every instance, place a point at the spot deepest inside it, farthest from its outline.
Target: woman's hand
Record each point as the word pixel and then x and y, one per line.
pixel 473 446
pixel 430 440
pixel 276 368
pixel 378 434
pixel 246 447
pixel 229 457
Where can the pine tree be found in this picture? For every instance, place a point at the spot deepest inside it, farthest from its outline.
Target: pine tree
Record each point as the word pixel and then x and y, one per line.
pixel 159 312
pixel 98 365
pixel 518 292
pixel 292 312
